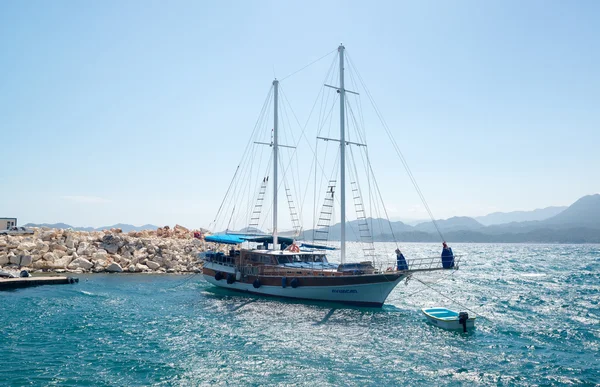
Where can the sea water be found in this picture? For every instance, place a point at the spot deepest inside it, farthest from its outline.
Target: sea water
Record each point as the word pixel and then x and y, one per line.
pixel 541 327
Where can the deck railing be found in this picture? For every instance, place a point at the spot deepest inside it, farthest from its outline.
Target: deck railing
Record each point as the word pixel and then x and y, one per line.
pixel 414 265
pixel 420 264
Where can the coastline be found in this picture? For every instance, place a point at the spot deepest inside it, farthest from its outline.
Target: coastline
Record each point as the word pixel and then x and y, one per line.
pixel 48 250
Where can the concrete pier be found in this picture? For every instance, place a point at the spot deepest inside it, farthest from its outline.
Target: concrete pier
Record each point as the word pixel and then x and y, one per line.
pixel 14 283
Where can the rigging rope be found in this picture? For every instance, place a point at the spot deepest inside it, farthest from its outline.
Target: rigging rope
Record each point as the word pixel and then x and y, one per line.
pixel 317 163
pixel 245 155
pixel 384 209
pixel 308 65
pixel 227 193
pixel 397 148
pixel 296 185
pixel 366 163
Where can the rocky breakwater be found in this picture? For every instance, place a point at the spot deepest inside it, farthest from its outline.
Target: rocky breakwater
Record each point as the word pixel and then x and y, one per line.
pixel 162 251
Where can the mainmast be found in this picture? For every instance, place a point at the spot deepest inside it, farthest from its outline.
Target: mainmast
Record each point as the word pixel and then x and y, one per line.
pixel 275 148
pixel 342 153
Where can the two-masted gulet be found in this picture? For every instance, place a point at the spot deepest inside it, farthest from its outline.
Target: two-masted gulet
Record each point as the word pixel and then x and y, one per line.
pixel 276 266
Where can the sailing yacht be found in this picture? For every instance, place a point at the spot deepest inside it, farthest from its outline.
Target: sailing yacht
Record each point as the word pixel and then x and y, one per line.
pixel 277 266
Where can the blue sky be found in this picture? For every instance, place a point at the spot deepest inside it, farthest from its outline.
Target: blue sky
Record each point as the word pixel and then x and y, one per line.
pixel 137 111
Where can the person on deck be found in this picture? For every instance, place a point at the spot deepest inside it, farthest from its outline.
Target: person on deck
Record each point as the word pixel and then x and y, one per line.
pixel 400 261
pixel 447 257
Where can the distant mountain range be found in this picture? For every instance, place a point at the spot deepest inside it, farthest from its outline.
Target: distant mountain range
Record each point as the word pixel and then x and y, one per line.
pixel 519 216
pixel 503 217
pixel 124 227
pixel 578 223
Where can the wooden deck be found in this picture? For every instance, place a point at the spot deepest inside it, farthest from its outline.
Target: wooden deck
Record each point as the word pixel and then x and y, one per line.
pixel 14 283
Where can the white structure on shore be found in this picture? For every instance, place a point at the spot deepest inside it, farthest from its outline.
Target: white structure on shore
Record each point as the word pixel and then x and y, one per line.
pixel 5 223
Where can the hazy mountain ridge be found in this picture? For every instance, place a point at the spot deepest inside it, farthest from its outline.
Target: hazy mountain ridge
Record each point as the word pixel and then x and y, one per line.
pixel 497 218
pixel 456 223
pixel 578 223
pixel 585 211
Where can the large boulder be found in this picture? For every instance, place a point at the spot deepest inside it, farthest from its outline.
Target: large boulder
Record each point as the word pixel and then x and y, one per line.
pixel 56 247
pixel 60 253
pixel 100 265
pixel 70 241
pixel 111 249
pixel 40 264
pixel 60 263
pixel 21 260
pixel 103 260
pixel 181 232
pixel 82 248
pixel 140 255
pixel 42 247
pixel 80 263
pixel 48 235
pixel 26 246
pixel 111 243
pixel 3 259
pixel 114 268
pixel 100 255
pixel 12 243
pixel 49 257
pixel 152 265
pixel 164 232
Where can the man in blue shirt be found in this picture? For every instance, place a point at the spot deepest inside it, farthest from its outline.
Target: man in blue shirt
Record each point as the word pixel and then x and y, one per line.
pixel 400 261
pixel 447 257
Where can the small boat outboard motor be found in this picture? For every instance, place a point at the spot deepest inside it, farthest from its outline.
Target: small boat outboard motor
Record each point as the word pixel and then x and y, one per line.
pixel 24 274
pixel 462 320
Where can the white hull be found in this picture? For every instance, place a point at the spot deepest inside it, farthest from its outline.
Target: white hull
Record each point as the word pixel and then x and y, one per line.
pixel 370 294
pixel 451 325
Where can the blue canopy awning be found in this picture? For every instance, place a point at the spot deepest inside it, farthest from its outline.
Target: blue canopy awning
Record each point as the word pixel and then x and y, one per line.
pixel 236 239
pixel 268 239
pixel 225 238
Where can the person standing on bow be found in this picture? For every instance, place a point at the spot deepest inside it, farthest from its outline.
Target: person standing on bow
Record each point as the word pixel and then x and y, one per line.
pixel 447 257
pixel 400 261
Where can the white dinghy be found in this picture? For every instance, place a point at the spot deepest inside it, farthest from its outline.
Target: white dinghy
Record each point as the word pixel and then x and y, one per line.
pixel 449 319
